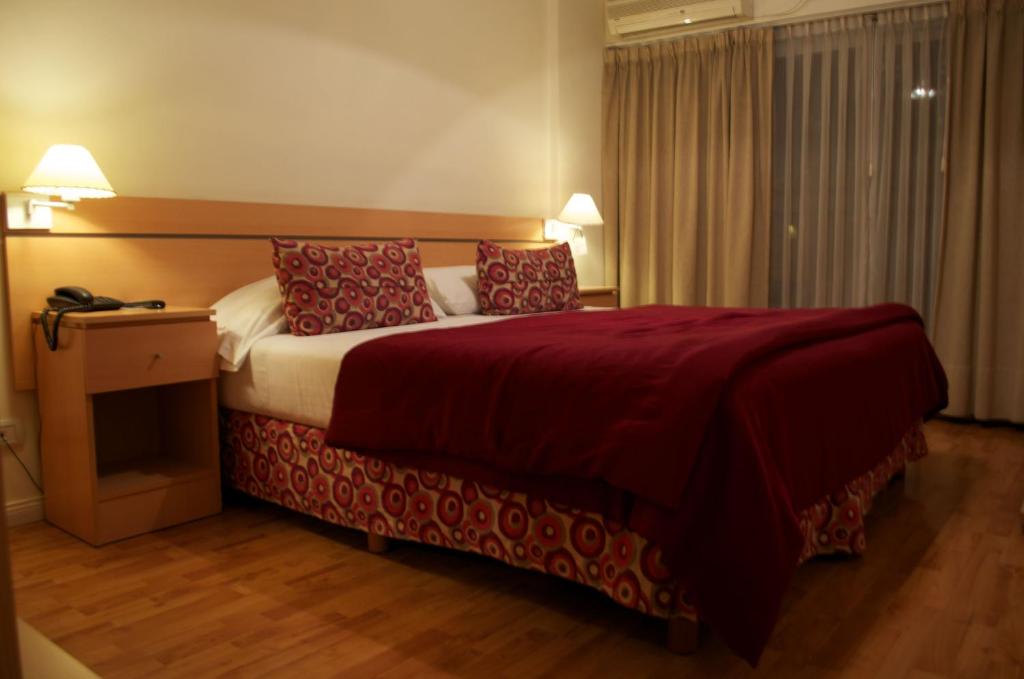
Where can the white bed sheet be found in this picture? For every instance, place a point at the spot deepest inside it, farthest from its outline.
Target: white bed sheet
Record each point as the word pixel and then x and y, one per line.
pixel 292 378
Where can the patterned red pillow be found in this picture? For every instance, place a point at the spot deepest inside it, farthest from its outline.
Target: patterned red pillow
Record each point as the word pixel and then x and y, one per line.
pixel 328 289
pixel 526 281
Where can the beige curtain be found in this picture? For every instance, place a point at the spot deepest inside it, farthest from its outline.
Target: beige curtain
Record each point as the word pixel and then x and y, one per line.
pixel 979 314
pixel 687 159
pixel 856 173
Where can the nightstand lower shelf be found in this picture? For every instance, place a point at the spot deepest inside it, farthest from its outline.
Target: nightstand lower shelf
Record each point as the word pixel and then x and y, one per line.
pixel 186 499
pixel 129 477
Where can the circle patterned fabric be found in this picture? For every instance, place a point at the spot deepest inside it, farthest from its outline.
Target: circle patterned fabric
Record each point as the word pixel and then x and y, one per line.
pixel 526 281
pixel 835 524
pixel 290 465
pixel 327 289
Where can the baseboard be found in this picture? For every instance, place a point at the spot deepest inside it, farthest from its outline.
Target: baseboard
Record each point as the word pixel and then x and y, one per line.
pixel 24 511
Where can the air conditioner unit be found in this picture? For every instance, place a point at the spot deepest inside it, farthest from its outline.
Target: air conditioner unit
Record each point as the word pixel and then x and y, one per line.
pixel 634 16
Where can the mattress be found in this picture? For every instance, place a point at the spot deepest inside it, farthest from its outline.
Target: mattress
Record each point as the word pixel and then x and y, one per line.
pixel 292 378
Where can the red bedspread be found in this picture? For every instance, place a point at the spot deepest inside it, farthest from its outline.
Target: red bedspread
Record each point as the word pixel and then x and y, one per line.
pixel 706 429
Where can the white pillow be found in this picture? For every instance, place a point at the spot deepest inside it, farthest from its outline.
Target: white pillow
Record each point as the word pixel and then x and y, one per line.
pixel 454 288
pixel 251 313
pixel 438 311
pixel 246 315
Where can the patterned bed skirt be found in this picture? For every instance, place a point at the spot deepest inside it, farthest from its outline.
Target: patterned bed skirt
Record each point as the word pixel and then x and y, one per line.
pixel 289 464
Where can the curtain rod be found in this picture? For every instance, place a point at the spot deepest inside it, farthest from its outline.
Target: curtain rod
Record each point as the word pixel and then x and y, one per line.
pixel 775 20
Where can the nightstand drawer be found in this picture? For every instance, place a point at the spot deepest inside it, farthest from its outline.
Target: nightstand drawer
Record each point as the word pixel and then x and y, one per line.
pixel 129 357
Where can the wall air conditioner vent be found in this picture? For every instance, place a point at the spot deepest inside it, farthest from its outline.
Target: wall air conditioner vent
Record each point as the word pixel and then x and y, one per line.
pixel 635 16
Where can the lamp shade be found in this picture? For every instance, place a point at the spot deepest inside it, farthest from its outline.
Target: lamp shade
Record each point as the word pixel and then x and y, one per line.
pixel 69 171
pixel 580 210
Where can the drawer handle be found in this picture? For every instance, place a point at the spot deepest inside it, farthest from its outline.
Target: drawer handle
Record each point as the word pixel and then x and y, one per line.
pixel 157 356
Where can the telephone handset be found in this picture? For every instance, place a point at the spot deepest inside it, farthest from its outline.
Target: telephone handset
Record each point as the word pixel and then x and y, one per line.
pixel 72 295
pixel 74 298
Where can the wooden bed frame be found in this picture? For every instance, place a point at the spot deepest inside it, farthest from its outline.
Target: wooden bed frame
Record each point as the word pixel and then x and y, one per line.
pixel 193 252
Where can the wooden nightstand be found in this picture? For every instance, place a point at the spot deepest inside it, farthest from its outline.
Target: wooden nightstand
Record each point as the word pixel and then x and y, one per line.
pixel 128 404
pixel 600 295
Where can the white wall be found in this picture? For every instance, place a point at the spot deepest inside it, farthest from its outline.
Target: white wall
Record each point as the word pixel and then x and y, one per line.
pixel 479 106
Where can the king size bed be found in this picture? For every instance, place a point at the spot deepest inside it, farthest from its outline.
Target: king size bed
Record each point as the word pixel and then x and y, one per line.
pixel 681 460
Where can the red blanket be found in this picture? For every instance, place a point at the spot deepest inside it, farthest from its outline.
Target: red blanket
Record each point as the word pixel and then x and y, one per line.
pixel 706 429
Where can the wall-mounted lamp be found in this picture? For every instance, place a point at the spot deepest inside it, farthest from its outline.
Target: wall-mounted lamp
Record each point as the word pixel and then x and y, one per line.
pixel 66 170
pixel 579 211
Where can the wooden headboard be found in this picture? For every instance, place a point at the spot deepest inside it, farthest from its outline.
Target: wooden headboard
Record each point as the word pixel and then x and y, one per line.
pixel 192 252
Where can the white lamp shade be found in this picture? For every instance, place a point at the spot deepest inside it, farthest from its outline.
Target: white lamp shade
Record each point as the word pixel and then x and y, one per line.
pixel 69 171
pixel 580 210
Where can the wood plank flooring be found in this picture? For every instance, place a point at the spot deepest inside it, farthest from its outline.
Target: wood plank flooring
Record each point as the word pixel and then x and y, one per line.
pixel 258 591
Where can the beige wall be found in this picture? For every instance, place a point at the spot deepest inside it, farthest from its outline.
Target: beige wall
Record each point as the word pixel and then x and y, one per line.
pixel 480 106
pixel 577 131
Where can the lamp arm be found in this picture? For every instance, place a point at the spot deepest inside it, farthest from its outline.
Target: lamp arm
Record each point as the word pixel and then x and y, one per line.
pixel 32 204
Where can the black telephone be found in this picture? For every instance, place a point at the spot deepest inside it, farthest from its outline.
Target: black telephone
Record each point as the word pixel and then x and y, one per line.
pixel 75 298
pixel 72 295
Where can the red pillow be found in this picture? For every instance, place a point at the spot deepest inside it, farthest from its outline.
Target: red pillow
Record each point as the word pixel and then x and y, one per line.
pixel 328 289
pixel 526 281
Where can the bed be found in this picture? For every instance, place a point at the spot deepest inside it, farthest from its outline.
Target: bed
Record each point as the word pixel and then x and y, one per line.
pixel 275 448
pixel 278 407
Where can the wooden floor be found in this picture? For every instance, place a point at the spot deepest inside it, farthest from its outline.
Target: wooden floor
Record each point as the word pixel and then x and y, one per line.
pixel 257 591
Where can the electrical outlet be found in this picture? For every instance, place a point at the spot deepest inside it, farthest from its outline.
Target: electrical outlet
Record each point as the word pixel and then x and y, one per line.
pixel 9 429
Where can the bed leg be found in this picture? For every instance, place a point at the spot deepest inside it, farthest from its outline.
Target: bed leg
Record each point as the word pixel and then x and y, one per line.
pixel 899 479
pixel 377 544
pixel 682 635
